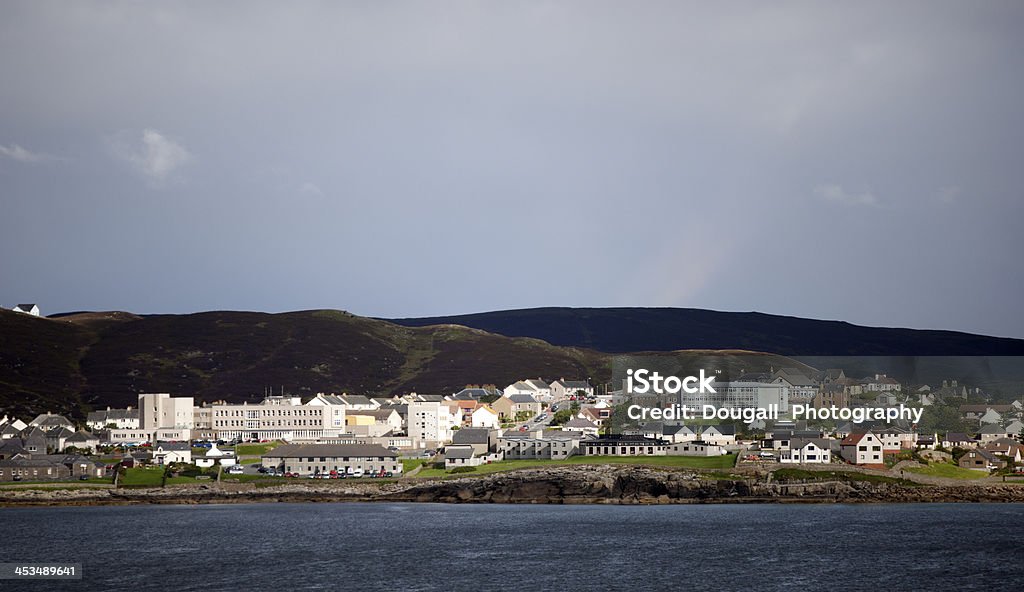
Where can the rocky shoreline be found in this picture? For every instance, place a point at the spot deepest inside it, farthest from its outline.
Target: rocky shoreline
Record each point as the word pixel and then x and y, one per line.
pixel 555 485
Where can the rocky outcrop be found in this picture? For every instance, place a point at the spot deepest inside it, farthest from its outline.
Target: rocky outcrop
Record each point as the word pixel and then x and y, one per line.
pixel 554 485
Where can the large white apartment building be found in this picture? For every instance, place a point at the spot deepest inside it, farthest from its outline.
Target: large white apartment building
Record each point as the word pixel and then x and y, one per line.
pixel 431 423
pixel 161 410
pixel 279 418
pixel 161 417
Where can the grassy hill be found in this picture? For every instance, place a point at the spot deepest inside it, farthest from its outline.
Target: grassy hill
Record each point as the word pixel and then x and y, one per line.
pixel 76 362
pixel 668 329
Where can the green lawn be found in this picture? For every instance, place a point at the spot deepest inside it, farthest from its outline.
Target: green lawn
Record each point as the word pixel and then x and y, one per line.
pixel 247 450
pixel 410 464
pixel 949 471
pixel 142 477
pixel 800 475
pixel 687 462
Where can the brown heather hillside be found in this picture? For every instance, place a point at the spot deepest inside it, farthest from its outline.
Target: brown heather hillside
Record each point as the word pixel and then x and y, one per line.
pixel 82 361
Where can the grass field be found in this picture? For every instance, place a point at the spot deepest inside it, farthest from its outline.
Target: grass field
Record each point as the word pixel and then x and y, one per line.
pixel 410 464
pixel 254 450
pixel 682 462
pixel 796 475
pixel 142 477
pixel 949 471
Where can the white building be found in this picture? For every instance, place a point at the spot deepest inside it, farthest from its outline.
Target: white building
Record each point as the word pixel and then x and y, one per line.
pixel 464 455
pixel 29 309
pixel 880 383
pixel 676 433
pixel 123 419
pixel 214 456
pixel 720 435
pixel 862 448
pixel 534 387
pixel 165 453
pixel 538 444
pixel 161 410
pixel 11 428
pixel 694 448
pixel 581 425
pixel 430 423
pixel 279 418
pixel 562 389
pixel 484 417
pixel 804 451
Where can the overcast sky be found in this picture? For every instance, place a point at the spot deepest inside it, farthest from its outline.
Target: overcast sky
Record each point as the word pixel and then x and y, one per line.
pixel 850 161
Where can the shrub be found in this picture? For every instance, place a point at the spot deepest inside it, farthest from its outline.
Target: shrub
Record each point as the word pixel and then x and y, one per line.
pixel 462 470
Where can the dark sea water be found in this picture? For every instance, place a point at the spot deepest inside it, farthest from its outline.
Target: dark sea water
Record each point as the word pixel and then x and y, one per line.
pixel 448 548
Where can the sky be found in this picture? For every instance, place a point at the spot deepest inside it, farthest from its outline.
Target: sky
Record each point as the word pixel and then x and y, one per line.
pixel 852 161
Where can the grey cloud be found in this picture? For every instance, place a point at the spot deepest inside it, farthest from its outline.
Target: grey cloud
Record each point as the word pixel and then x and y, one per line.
pixel 152 154
pixel 16 152
pixel 838 194
pixel 425 158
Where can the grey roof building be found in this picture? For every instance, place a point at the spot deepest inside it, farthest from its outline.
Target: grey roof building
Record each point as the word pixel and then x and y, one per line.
pixel 331 450
pixel 51 421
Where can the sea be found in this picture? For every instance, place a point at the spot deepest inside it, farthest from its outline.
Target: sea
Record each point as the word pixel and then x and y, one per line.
pixel 439 547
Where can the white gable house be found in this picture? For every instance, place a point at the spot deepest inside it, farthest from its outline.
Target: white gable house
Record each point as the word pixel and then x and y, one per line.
pixel 29 309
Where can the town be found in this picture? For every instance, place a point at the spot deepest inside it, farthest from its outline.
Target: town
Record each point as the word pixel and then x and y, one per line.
pixel 482 428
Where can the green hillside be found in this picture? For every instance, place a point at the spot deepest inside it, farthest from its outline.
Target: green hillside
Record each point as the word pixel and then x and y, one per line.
pixel 82 361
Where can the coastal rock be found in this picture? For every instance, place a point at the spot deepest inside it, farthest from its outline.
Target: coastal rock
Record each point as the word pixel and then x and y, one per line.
pixel 581 484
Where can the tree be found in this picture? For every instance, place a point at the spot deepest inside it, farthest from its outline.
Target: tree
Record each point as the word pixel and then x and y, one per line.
pixel 561 417
pixel 524 415
pixel 619 419
pixel 940 419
